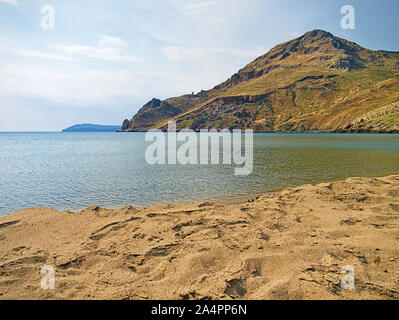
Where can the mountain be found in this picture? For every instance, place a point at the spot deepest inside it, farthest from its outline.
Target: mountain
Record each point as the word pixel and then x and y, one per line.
pixel 87 127
pixel 317 82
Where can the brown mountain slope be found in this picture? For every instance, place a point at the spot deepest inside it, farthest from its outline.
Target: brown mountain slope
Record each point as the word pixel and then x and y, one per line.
pixel 317 82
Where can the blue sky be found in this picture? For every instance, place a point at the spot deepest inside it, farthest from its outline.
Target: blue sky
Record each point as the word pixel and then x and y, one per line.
pixel 104 59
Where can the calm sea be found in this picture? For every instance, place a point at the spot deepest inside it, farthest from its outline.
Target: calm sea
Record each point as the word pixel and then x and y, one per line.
pixel 77 170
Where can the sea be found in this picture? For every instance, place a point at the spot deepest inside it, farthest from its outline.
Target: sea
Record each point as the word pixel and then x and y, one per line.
pixel 72 171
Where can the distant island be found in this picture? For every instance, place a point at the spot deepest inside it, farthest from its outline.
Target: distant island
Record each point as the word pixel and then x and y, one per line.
pixel 87 127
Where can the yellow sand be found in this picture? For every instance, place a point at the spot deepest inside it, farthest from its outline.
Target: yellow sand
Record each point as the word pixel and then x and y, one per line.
pixel 287 245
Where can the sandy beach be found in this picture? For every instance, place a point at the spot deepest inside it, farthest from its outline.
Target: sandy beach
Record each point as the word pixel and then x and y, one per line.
pixel 286 245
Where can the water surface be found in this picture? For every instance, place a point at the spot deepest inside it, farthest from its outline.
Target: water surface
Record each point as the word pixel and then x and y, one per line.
pixel 77 170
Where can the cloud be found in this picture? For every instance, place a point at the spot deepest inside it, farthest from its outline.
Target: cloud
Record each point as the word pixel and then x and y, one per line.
pixel 200 10
pixel 32 53
pixel 295 34
pixel 108 49
pixel 91 88
pixel 43 55
pixel 13 2
pixel 209 66
pixel 205 11
pixel 206 56
pixel 108 54
pixel 182 21
pixel 88 88
pixel 80 87
pixel 106 41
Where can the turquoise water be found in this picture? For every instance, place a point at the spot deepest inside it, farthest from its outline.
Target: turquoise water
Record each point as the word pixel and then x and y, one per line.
pixel 77 170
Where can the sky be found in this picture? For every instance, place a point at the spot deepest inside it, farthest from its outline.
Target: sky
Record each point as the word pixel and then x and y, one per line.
pixel 101 60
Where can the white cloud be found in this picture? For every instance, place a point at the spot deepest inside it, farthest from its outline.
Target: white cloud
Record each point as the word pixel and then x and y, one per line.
pixel 32 53
pixel 13 2
pixel 108 54
pixel 43 55
pixel 87 88
pixel 209 66
pixel 295 34
pixel 198 10
pixel 108 49
pixel 182 21
pixel 206 11
pixel 81 87
pixel 207 56
pixel 106 41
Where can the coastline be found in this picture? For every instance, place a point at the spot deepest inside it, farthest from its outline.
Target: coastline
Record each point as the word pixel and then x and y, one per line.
pixel 337 131
pixel 289 244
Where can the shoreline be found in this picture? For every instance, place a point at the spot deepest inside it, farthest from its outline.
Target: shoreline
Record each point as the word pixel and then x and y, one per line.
pixel 224 200
pixel 289 244
pixel 389 132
